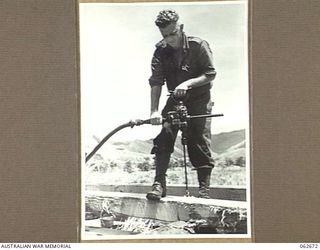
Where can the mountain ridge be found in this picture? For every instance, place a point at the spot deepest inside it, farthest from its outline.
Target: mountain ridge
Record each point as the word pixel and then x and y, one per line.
pixel 224 144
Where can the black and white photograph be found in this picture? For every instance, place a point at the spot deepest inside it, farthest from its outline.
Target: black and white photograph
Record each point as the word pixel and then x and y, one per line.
pixel 165 121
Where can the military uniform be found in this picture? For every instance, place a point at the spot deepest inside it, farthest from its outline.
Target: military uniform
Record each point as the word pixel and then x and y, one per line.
pixel 172 67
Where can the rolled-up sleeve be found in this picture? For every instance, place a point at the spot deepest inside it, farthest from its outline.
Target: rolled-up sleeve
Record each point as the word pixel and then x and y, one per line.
pixel 206 60
pixel 157 76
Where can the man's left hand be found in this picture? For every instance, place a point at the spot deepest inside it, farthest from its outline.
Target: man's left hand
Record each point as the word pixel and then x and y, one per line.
pixel 181 90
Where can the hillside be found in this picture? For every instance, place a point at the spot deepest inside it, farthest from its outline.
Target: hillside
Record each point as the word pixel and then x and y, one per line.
pixel 224 141
pixel 131 162
pixel 229 144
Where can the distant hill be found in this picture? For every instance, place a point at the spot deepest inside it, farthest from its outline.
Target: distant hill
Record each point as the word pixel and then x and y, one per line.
pixel 143 147
pixel 223 141
pixel 231 144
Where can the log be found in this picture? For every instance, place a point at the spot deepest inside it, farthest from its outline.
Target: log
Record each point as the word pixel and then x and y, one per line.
pixel 169 209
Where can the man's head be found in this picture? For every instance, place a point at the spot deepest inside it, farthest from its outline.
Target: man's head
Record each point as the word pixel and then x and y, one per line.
pixel 171 30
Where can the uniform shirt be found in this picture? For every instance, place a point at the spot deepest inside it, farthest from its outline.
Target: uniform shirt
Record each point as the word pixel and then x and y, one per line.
pixel 176 66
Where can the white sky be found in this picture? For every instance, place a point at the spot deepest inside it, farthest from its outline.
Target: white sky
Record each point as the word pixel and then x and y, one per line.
pixel 116 46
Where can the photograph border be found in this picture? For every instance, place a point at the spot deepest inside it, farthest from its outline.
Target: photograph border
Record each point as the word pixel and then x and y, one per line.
pixel 40 109
pixel 248 134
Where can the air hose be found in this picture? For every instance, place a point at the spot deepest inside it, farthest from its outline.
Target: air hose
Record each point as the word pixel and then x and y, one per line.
pixel 125 125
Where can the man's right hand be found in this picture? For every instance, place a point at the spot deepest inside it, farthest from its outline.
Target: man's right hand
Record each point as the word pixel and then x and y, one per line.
pixel 156 118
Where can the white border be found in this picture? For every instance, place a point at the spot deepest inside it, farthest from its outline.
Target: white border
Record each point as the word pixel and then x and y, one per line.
pixel 214 2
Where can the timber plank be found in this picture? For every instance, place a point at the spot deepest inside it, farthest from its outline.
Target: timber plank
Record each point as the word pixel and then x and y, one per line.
pixel 170 208
pixel 223 193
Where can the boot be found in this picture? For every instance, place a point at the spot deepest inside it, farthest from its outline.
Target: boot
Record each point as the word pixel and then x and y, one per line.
pixel 204 175
pixel 157 191
pixel 159 188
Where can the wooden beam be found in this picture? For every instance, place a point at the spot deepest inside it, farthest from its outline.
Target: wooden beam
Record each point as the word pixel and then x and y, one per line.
pixel 170 208
pixel 223 193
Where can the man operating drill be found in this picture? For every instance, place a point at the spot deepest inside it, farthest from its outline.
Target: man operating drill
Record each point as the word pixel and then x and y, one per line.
pixel 184 64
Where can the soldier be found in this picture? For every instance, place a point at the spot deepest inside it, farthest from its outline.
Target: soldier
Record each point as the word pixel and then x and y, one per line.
pixel 184 64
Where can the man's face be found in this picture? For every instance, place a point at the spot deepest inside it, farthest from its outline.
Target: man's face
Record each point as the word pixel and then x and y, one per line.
pixel 172 35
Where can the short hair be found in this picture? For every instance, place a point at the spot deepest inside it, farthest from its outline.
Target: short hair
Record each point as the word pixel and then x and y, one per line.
pixel 166 17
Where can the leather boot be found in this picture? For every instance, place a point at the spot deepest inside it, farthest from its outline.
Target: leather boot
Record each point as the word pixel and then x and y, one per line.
pixel 156 193
pixel 204 175
pixel 159 188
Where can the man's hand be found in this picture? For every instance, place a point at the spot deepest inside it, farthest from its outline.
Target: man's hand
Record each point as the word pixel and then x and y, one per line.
pixel 181 90
pixel 156 118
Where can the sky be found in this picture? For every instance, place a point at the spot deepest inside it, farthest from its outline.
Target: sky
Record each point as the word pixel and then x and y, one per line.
pixel 116 46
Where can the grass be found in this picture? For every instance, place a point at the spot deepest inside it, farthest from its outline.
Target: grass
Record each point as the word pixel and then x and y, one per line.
pixel 221 176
